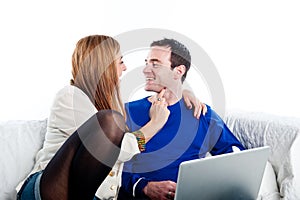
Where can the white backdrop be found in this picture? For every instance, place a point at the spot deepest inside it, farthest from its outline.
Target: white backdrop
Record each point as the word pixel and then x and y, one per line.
pixel 255 46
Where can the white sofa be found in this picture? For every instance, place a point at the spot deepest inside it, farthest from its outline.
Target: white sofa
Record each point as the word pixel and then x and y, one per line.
pixel 20 141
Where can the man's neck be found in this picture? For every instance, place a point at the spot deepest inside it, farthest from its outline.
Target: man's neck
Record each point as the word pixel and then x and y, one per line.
pixel 173 95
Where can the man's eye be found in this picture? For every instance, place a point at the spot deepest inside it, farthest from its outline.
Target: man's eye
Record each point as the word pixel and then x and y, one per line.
pixel 151 64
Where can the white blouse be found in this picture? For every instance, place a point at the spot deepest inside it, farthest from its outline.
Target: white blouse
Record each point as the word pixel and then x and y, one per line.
pixel 70 109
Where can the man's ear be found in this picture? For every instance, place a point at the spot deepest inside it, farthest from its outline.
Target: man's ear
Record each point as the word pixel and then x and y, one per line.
pixel 179 71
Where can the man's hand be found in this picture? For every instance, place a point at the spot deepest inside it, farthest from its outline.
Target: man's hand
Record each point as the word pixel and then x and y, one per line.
pixel 191 100
pixel 162 190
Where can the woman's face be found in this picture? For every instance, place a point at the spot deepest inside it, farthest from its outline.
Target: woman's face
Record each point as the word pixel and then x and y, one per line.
pixel 120 66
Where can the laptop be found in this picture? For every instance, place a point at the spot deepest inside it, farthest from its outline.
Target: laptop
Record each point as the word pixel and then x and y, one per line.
pixel 228 176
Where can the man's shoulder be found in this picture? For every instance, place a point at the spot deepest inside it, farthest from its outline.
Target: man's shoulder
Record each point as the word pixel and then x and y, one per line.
pixel 212 114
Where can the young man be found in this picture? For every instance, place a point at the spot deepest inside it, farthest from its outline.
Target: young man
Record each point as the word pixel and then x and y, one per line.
pixel 153 173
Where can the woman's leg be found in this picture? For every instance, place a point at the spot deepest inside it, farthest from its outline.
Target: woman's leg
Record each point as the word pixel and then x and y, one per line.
pixel 85 159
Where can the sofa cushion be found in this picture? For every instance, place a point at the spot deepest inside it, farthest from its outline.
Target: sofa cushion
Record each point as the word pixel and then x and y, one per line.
pixel 282 134
pixel 19 143
pixel 268 188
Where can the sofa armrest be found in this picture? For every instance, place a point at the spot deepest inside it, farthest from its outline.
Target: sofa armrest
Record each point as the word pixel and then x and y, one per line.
pixel 282 134
pixel 19 142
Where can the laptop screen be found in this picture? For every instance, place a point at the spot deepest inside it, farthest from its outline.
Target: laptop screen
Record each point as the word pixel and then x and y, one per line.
pixel 229 176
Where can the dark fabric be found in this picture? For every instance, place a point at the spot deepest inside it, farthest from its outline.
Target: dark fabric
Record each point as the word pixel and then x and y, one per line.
pixel 123 195
pixel 85 159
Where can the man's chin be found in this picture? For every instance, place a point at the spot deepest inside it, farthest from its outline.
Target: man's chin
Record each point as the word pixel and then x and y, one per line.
pixel 149 90
pixel 153 89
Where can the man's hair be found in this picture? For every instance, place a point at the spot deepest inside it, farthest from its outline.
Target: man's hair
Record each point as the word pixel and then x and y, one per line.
pixel 180 55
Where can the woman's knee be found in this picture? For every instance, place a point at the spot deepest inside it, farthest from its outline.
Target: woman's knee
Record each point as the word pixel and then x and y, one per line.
pixel 112 124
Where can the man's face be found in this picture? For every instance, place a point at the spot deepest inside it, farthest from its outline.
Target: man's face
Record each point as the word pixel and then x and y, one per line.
pixel 158 72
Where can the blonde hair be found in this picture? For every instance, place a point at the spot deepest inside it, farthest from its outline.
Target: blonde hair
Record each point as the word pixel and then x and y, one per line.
pixel 94 71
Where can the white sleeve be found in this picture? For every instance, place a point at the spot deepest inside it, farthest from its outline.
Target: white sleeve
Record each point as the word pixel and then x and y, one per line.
pixel 129 147
pixel 112 182
pixel 70 109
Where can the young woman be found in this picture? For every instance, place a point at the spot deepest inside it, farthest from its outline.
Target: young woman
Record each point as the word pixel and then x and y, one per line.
pixel 86 132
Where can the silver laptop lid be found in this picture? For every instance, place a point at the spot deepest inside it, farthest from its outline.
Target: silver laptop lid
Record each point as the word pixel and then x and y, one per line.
pixel 229 176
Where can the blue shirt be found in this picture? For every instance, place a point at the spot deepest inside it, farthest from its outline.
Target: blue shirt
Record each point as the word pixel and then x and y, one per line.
pixel 182 138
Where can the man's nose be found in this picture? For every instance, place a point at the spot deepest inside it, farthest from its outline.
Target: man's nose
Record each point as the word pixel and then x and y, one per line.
pixel 147 68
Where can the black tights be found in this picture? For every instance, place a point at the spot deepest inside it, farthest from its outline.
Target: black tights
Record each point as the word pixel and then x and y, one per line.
pixel 85 159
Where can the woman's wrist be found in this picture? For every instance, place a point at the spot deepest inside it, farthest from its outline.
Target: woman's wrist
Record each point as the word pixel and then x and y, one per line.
pixel 140 137
pixel 150 129
pixel 155 125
